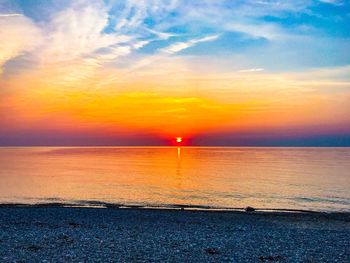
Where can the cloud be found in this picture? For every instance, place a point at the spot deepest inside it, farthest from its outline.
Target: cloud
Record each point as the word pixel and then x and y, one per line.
pixel 179 46
pixel 164 53
pixel 77 36
pixel 93 35
pixel 78 31
pixel 76 45
pixel 10 15
pixel 161 35
pixel 251 70
pixel 18 34
pixel 135 11
pixel 260 30
pixel 334 2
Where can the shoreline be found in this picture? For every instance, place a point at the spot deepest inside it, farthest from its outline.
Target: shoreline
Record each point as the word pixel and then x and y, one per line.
pixel 75 234
pixel 106 205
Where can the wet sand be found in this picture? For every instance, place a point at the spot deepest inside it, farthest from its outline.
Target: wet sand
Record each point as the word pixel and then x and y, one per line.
pixel 60 234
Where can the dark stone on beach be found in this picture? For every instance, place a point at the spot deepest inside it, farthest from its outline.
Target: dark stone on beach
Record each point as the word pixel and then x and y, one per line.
pixel 249 209
pixel 72 224
pixel 212 251
pixel 34 248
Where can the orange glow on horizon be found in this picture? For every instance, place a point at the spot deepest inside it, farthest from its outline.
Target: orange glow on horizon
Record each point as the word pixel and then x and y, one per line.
pixel 134 111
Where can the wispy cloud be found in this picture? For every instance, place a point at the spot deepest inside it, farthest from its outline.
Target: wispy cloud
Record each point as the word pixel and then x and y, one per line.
pixel 78 31
pixel 10 15
pixel 260 30
pixel 250 70
pixel 334 2
pixel 128 35
pixel 179 46
pixel 161 35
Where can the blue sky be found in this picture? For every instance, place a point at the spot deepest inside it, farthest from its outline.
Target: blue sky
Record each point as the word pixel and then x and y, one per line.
pixel 296 34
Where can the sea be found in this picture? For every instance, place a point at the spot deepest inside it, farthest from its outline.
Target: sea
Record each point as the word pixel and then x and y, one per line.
pixel 315 179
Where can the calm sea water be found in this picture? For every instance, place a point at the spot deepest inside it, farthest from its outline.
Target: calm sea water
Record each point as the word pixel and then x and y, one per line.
pixel 294 178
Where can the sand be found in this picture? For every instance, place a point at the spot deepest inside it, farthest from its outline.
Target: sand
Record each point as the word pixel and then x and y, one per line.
pixel 58 234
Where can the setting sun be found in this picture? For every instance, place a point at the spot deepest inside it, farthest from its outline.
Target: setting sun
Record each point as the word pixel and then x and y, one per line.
pixel 178 139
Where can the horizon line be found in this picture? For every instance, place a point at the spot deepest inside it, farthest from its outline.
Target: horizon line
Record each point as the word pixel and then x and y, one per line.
pixel 180 146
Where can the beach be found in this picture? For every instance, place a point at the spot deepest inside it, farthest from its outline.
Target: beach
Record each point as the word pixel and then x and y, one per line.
pixel 65 234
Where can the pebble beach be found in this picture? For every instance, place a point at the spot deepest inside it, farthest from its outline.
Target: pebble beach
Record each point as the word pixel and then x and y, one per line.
pixel 66 234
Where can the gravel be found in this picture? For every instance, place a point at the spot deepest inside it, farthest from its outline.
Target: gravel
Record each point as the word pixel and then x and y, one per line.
pixel 59 234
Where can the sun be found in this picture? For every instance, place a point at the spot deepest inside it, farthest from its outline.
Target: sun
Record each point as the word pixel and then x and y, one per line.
pixel 178 139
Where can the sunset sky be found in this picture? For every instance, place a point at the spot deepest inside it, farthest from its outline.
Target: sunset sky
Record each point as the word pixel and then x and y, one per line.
pixel 139 72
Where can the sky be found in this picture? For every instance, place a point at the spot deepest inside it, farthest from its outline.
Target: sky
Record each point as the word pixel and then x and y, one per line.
pixel 137 72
